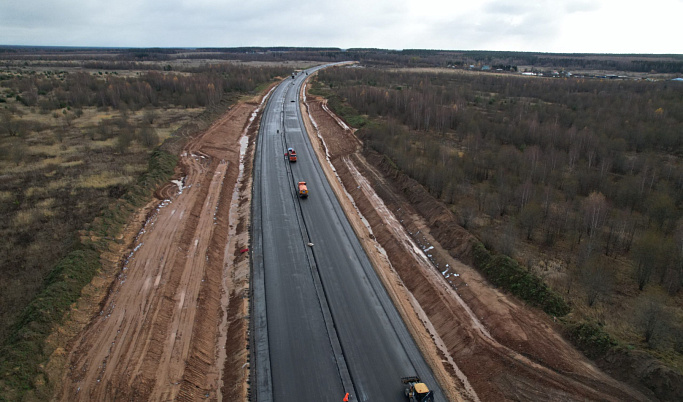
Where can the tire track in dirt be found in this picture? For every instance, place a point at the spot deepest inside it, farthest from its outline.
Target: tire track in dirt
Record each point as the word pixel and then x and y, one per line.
pixel 505 350
pixel 156 336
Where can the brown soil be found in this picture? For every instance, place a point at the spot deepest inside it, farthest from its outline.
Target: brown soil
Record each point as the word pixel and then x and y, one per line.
pixel 153 322
pixel 167 317
pixel 482 344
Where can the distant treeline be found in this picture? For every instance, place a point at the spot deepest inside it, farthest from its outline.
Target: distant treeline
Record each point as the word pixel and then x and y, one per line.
pixel 204 87
pixel 642 63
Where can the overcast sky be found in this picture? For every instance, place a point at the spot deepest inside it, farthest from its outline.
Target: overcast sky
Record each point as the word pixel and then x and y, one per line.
pixel 577 26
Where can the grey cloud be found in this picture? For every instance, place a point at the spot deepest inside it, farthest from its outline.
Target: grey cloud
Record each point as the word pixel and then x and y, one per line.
pixel 496 24
pixel 524 25
pixel 59 13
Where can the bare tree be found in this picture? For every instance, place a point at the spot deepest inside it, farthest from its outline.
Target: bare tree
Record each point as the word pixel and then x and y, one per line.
pixel 148 137
pixel 467 214
pixel 646 257
pixel 481 192
pixel 149 116
pixel 530 217
pixel 525 191
pixel 662 210
pixel 506 243
pixel 595 210
pixel 597 280
pixel 9 123
pixel 675 279
pixel 652 318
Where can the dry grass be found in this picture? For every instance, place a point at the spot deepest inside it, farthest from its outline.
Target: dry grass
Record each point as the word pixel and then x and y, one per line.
pixel 46 204
pixel 26 217
pixel 103 180
pixel 35 192
pixel 133 170
pixel 6 196
pixel 71 164
pixel 50 153
pixel 58 184
pixel 165 133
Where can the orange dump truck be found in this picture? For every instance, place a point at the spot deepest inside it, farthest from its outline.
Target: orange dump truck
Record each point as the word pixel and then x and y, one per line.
pixel 303 190
pixel 291 154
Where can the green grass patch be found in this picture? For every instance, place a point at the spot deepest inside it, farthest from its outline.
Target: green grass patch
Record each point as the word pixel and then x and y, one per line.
pixel 339 106
pixel 346 112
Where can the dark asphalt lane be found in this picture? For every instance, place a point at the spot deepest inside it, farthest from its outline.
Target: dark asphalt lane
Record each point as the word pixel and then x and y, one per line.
pixel 331 327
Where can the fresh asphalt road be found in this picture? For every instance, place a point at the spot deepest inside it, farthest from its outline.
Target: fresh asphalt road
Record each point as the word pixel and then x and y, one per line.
pixel 322 322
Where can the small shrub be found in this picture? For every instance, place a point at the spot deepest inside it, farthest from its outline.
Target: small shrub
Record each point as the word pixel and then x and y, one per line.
pixel 148 137
pixel 590 338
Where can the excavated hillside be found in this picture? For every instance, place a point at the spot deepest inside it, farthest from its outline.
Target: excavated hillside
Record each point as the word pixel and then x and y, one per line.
pixel 482 344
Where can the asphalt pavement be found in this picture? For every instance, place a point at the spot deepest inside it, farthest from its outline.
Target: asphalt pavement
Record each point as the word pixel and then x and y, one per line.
pixel 322 322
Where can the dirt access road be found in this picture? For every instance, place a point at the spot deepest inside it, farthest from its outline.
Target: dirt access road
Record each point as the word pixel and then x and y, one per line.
pixel 482 344
pixel 181 287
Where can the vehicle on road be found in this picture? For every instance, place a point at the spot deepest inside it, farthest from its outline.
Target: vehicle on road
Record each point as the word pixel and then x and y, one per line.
pixel 417 391
pixel 291 154
pixel 303 190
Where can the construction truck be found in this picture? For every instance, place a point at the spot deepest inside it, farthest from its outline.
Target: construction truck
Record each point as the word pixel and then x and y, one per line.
pixel 303 190
pixel 417 391
pixel 291 154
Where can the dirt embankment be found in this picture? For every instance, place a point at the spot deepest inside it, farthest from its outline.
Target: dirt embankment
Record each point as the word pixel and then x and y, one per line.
pixel 171 318
pixel 481 343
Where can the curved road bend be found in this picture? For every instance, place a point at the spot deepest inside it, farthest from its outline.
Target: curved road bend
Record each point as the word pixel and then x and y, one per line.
pixel 322 322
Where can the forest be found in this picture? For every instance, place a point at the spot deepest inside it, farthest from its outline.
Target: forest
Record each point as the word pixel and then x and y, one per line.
pixel 579 180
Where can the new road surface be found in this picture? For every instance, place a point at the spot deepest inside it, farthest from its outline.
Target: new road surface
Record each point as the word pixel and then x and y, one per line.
pixel 322 323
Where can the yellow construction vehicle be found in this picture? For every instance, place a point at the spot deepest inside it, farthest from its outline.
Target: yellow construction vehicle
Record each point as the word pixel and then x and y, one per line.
pixel 417 391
